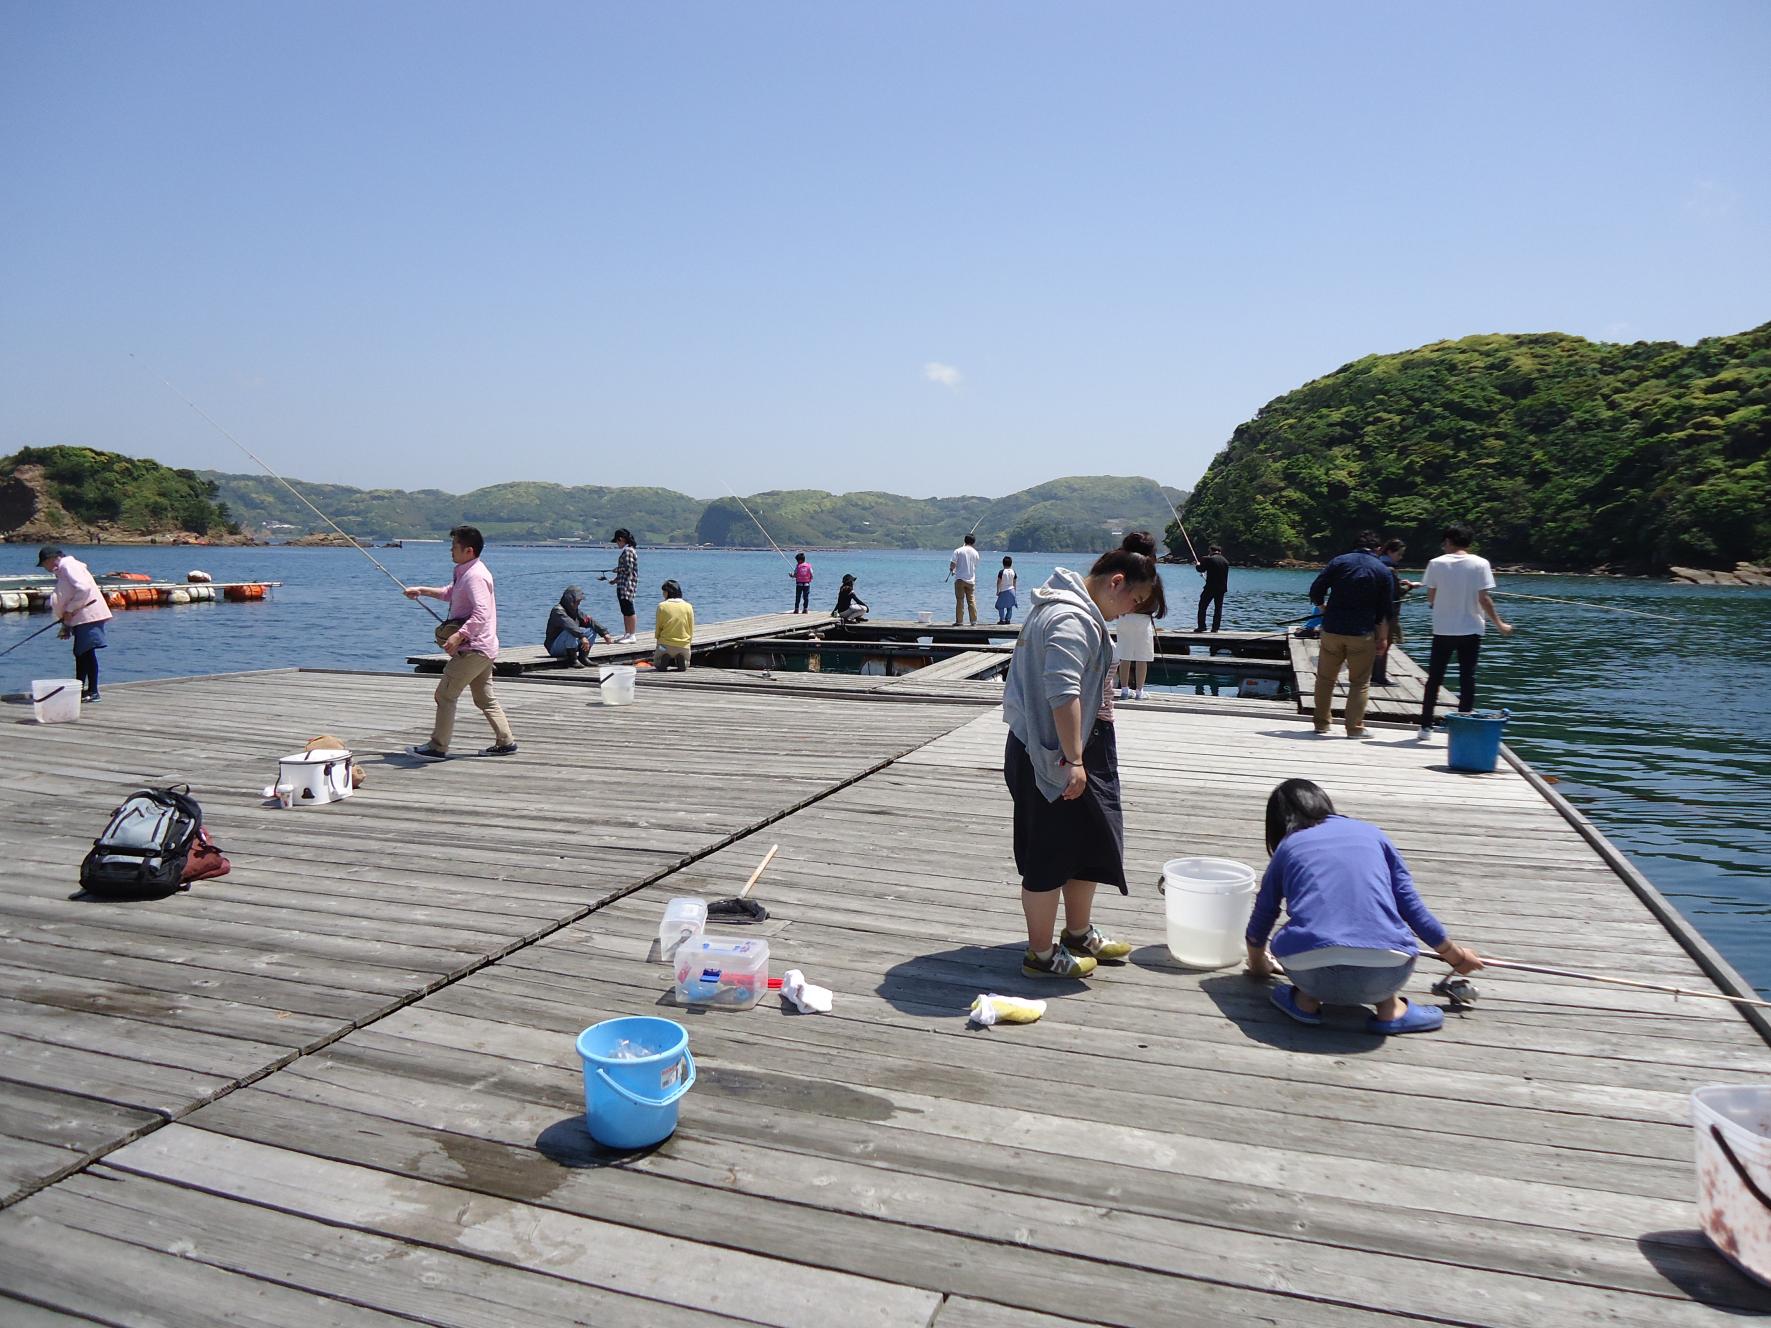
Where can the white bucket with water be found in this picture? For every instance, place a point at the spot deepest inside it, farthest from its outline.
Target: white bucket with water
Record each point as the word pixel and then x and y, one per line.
pixel 1733 1128
pixel 925 615
pixel 1208 901
pixel 617 683
pixel 55 700
pixel 315 778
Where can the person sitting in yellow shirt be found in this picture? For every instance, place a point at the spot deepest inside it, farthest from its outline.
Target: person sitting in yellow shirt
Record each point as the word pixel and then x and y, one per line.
pixel 674 629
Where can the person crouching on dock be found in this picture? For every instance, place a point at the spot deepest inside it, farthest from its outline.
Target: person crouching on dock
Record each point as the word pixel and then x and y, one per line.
pixel 1352 915
pixel 569 629
pixel 471 643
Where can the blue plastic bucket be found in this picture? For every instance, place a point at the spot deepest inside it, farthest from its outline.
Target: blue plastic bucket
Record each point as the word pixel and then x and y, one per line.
pixel 630 1101
pixel 1475 739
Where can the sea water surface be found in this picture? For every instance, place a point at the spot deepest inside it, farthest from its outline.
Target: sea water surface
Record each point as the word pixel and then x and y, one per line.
pixel 1659 728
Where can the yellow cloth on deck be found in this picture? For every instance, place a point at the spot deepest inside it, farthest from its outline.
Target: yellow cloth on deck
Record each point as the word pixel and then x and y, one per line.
pixel 676 623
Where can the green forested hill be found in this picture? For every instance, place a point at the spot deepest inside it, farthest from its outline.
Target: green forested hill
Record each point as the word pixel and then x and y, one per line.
pixel 74 492
pixel 1076 512
pixel 1559 451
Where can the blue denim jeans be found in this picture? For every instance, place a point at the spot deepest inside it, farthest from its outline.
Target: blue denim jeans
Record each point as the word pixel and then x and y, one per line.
pixel 1352 984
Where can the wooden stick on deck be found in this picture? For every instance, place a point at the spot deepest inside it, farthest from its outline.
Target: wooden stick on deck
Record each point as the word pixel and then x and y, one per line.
pixel 767 859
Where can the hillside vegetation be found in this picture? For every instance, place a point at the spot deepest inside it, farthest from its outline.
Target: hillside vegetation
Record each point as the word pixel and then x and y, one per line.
pixel 1559 451
pixel 1081 509
pixel 78 492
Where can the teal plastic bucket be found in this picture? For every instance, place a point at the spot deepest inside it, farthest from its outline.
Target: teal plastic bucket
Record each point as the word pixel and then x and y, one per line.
pixel 630 1101
pixel 1475 739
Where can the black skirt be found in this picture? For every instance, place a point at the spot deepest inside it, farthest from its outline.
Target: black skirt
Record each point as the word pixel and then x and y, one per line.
pixel 1079 840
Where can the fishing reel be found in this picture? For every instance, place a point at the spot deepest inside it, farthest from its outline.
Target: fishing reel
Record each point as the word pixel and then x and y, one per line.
pixel 1457 989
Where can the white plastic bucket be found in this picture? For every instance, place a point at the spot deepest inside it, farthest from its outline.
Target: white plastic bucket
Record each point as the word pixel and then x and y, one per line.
pixel 1733 1127
pixel 315 778
pixel 617 683
pixel 1207 901
pixel 55 700
pixel 925 615
pixel 683 920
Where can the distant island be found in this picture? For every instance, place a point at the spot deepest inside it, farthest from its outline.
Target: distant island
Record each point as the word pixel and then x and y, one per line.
pixel 82 495
pixel 1074 513
pixel 85 496
pixel 1562 453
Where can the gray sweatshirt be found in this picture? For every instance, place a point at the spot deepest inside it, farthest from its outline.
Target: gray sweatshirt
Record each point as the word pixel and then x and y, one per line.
pixel 1064 653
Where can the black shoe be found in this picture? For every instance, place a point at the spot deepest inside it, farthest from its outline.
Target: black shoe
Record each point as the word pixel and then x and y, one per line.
pixel 90 698
pixel 428 753
pixel 502 749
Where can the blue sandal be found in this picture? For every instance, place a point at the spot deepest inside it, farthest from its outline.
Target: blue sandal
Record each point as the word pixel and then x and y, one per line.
pixel 1415 1019
pixel 1286 998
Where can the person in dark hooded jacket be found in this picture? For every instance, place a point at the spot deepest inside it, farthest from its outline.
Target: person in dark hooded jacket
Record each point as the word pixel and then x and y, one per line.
pixel 570 629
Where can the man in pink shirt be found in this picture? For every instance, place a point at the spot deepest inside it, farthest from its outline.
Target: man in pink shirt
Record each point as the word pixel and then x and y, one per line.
pixel 80 605
pixel 471 643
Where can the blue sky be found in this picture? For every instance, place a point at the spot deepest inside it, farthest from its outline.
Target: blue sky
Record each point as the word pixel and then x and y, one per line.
pixel 932 248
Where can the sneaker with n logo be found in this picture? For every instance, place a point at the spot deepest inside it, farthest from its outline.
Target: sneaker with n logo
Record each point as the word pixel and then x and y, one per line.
pixel 1060 963
pixel 1095 945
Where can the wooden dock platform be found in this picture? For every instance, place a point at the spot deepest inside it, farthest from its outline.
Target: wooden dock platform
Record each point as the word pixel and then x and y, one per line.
pixel 339 1087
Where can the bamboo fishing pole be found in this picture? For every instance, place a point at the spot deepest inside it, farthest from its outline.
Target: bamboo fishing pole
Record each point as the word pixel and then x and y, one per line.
pixel 1588 604
pixel 1494 961
pixel 285 483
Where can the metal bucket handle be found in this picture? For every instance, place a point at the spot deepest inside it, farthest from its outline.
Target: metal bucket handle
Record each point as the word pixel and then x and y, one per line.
pixel 1739 1169
pixel 665 1101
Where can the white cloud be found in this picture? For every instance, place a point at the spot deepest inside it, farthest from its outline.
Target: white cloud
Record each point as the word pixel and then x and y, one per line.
pixel 1711 200
pixel 944 374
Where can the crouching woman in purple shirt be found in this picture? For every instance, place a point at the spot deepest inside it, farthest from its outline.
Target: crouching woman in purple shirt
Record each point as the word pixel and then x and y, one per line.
pixel 1352 916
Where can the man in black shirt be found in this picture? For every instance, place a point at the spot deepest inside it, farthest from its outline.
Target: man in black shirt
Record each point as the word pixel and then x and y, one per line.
pixel 1354 592
pixel 1215 568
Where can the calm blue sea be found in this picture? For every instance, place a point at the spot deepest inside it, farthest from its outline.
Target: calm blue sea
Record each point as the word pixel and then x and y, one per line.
pixel 1659 730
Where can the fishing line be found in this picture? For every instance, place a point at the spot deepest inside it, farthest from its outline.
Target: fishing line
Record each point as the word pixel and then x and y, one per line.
pixel 1177 516
pixel 285 483
pixel 759 525
pixel 1589 604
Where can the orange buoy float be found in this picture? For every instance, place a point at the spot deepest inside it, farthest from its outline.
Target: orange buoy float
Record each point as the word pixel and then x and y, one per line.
pixel 115 599
pixel 128 576
pixel 253 591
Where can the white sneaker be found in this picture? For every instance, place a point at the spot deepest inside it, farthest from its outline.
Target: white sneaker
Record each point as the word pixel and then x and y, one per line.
pixel 1140 695
pixel 1423 734
pixel 1125 694
pixel 625 640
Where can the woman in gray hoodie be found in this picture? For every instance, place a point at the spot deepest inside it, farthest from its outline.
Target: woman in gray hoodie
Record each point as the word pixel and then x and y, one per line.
pixel 1068 839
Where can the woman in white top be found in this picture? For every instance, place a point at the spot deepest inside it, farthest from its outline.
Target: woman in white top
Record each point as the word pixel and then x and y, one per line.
pixel 1137 638
pixel 1006 580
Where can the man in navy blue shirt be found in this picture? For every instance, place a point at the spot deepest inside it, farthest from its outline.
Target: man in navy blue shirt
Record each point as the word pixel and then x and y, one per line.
pixel 1354 592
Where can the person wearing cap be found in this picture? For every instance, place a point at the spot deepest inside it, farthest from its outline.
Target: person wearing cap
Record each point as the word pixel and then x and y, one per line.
pixel 80 606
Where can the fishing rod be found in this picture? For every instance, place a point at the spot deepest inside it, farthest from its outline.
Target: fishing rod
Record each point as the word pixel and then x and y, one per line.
pixel 285 483
pixel 32 637
pixel 759 525
pixel 1177 516
pixel 1494 961
pixel 1588 604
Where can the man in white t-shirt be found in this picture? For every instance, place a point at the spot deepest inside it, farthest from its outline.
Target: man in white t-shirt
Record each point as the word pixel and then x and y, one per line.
pixel 1457 585
pixel 964 568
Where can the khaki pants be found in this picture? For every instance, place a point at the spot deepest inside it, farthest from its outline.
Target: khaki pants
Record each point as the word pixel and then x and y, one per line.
pixel 666 656
pixel 1358 654
pixel 474 673
pixel 965 596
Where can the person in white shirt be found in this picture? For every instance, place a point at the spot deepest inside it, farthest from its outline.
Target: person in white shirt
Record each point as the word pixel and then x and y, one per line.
pixel 964 570
pixel 1457 585
pixel 1006 599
